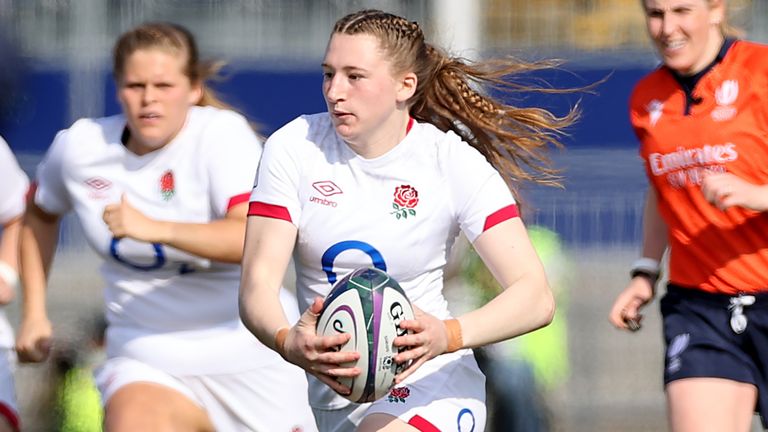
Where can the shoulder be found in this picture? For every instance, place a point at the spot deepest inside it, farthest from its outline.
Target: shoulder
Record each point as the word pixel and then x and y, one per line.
pixel 89 134
pixel 218 119
pixel 653 85
pixel 748 57
pixel 448 147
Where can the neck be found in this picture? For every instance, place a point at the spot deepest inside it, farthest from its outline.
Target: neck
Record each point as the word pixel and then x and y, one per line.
pixel 388 135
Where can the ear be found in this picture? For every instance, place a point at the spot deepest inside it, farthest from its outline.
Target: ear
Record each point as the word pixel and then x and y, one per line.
pixel 196 93
pixel 716 12
pixel 407 86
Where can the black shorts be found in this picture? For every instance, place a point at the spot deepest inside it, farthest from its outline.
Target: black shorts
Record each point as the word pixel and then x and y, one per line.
pixel 702 340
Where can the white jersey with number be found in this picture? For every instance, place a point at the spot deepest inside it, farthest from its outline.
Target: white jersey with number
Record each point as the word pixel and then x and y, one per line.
pixel 167 308
pixel 400 212
pixel 12 197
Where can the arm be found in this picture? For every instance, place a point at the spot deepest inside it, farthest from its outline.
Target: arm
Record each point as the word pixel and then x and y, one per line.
pixel 218 240
pixel 39 236
pixel 268 247
pixel 9 260
pixel 640 290
pixel 525 304
pixel 726 190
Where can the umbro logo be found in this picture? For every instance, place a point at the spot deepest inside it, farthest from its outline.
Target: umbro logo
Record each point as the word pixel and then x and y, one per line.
pixel 327 188
pixel 98 183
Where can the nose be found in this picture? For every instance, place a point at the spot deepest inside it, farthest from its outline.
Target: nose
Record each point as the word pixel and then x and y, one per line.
pixel 334 89
pixel 668 24
pixel 149 95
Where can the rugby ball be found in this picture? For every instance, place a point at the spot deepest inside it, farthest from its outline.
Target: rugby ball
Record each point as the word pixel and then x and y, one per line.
pixel 369 305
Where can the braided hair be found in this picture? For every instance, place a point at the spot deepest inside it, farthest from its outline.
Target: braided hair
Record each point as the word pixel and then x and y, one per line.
pixel 452 94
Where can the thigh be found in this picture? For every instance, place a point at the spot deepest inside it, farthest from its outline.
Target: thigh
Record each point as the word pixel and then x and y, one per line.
pixel 710 404
pixel 137 396
pixel 150 406
pixel 270 398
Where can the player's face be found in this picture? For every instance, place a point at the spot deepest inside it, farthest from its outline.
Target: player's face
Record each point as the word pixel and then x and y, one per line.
pixel 155 95
pixel 686 33
pixel 360 89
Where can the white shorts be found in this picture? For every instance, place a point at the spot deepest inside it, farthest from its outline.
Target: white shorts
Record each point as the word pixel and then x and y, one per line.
pixel 447 393
pixel 8 405
pixel 270 398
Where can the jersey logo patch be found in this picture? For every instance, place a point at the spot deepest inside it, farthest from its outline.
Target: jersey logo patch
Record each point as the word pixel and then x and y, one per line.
pixel 405 200
pixel 655 107
pixel 725 96
pixel 167 186
pixel 398 394
pixel 98 187
pixel 327 188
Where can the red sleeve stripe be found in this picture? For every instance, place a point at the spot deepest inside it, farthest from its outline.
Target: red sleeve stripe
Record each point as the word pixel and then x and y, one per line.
pixel 238 199
pixel 10 415
pixel 422 424
pixel 30 197
pixel 258 208
pixel 500 216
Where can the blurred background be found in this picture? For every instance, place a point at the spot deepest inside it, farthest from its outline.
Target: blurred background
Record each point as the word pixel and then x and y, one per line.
pixel 55 67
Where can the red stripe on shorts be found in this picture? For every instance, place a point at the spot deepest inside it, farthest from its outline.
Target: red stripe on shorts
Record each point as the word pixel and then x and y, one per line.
pixel 422 424
pixel 11 415
pixel 238 199
pixel 258 208
pixel 500 216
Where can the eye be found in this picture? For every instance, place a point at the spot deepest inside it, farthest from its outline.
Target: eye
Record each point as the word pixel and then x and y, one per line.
pixel 327 75
pixel 355 77
pixel 654 13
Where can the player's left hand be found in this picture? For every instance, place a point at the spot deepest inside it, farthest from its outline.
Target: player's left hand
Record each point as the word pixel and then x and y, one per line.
pixel 428 339
pixel 726 190
pixel 123 220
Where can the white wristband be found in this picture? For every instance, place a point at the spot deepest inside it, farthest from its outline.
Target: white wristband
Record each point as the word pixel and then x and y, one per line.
pixel 9 275
pixel 646 265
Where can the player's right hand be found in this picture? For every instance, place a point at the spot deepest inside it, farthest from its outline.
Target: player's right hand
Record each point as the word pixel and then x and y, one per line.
pixel 33 343
pixel 319 355
pixel 625 313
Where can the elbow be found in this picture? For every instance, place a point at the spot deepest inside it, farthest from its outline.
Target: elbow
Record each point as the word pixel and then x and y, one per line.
pixel 547 308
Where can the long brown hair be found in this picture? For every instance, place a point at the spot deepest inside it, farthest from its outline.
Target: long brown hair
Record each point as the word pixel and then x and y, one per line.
pixel 173 39
pixel 453 94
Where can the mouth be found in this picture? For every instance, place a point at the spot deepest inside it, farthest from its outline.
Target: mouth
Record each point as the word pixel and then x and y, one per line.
pixel 149 117
pixel 673 45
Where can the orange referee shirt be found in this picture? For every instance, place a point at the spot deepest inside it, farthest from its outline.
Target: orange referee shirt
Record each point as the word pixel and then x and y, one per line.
pixel 725 129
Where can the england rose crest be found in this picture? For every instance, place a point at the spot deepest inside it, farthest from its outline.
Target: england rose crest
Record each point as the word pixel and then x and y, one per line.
pixel 167 187
pixel 406 199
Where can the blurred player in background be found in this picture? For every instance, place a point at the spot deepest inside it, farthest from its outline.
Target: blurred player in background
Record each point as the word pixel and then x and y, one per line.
pixel 702 122
pixel 161 191
pixel 12 197
pixel 408 155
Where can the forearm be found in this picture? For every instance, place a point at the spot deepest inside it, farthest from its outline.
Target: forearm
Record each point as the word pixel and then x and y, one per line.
pixel 654 229
pixel 267 253
pixel 525 306
pixel 219 240
pixel 39 237
pixel 9 243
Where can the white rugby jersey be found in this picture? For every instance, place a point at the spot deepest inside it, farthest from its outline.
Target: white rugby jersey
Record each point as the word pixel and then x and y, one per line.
pixel 400 212
pixel 170 309
pixel 12 196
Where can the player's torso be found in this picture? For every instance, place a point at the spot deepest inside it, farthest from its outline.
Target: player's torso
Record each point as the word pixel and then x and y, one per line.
pixel 725 132
pixel 393 212
pixel 167 184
